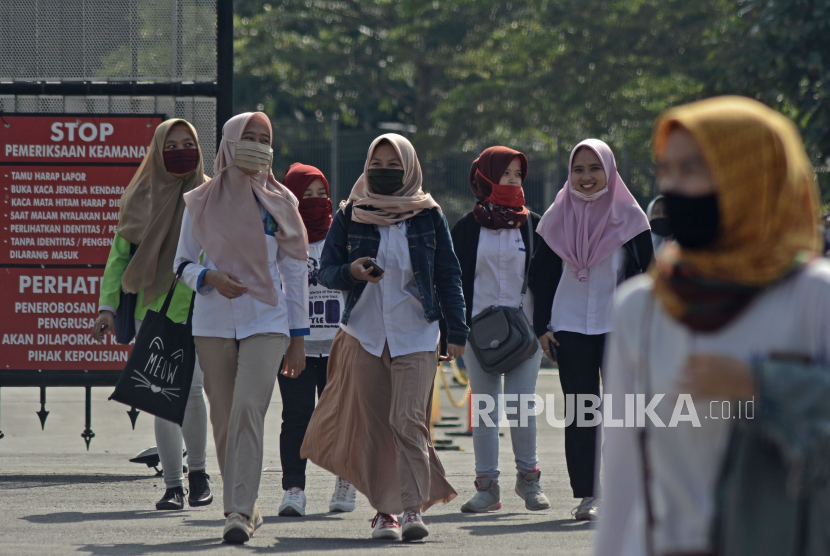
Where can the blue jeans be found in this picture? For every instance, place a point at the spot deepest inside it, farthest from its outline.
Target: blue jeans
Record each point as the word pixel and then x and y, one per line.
pixel 519 381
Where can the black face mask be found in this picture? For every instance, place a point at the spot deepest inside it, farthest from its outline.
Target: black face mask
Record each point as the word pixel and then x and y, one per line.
pixel 661 227
pixel 385 181
pixel 694 221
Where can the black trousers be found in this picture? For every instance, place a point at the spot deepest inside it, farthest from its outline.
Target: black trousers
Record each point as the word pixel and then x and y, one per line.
pixel 298 402
pixel 580 360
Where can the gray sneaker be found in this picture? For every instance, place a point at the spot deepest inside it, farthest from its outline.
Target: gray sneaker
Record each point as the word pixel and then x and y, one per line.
pixel 487 499
pixel 588 509
pixel 529 490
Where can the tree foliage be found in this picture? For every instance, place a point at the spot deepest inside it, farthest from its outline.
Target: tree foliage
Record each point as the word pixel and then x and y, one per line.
pixel 541 74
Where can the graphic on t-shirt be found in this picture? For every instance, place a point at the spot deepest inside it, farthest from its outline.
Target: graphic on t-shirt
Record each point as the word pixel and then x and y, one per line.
pixel 323 303
pixel 313 269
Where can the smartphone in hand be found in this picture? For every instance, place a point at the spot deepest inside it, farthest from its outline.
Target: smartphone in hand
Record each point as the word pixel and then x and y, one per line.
pixel 376 268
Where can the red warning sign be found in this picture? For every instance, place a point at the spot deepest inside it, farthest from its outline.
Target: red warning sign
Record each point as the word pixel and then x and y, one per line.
pixel 61 180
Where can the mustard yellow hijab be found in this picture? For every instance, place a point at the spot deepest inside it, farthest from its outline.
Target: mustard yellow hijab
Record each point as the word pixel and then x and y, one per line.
pixel 767 198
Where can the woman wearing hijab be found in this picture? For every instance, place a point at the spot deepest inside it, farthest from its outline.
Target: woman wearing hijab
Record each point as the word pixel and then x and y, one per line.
pixel 311 188
pixel 658 221
pixel 738 311
pixel 596 236
pixel 140 262
pixel 371 426
pixel 253 295
pixel 493 265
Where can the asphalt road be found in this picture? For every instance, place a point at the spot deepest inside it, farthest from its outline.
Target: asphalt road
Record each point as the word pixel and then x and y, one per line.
pixel 58 498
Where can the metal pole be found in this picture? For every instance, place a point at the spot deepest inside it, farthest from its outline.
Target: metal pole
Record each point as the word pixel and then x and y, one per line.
pixel 333 178
pixel 224 65
pixel 88 435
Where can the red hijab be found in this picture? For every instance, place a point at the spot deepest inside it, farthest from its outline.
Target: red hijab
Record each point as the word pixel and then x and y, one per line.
pixel 316 213
pixel 498 206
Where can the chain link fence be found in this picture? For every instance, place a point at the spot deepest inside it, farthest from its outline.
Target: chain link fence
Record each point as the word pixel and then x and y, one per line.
pixel 446 174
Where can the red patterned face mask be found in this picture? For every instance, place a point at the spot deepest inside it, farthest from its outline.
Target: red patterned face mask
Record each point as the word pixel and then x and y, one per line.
pixel 180 161
pixel 507 196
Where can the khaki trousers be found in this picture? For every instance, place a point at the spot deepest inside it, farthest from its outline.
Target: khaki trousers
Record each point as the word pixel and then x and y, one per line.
pixel 371 427
pixel 239 380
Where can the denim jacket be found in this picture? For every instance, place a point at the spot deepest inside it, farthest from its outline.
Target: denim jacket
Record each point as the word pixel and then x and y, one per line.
pixel 436 268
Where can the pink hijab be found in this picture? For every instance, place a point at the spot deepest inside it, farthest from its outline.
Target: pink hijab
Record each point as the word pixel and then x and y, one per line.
pixel 227 222
pixel 584 232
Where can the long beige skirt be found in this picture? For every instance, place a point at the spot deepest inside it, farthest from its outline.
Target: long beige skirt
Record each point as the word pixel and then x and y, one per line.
pixel 371 427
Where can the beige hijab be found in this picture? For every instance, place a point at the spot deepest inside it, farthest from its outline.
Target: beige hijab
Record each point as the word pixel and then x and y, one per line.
pixel 226 219
pixel 385 210
pixel 151 217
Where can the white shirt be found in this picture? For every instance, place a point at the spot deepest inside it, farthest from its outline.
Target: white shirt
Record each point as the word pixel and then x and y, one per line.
pixel 500 271
pixel 391 310
pixel 685 461
pixel 325 306
pixel 586 307
pixel 220 317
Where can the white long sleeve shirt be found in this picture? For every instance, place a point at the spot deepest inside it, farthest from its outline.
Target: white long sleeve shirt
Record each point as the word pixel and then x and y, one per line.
pixel 391 310
pixel 500 271
pixel 220 317
pixel 792 317
pixel 586 307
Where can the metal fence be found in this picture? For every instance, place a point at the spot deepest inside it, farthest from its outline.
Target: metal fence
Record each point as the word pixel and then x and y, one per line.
pixel 341 153
pixel 108 40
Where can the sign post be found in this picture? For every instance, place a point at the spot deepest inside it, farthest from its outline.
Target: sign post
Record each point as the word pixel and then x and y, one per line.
pixel 61 180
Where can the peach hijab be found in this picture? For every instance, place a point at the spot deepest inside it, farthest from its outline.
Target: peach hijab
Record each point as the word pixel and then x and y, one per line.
pixel 385 210
pixel 227 222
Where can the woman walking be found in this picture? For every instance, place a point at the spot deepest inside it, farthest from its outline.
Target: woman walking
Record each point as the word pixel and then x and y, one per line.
pixel 253 295
pixel 299 394
pixel 493 262
pixel 140 262
pixel 658 221
pixel 389 250
pixel 738 311
pixel 596 236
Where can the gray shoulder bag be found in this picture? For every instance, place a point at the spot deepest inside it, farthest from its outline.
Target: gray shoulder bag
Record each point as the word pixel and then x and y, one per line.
pixel 501 337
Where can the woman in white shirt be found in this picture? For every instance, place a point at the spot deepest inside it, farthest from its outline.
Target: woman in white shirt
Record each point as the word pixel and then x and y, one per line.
pixel 596 236
pixel 389 250
pixel 299 394
pixel 493 262
pixel 253 295
pixel 732 327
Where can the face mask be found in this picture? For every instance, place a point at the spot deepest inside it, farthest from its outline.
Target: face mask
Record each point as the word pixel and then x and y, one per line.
pixel 592 197
pixel 385 181
pixel 180 161
pixel 694 221
pixel 251 155
pixel 507 196
pixel 661 227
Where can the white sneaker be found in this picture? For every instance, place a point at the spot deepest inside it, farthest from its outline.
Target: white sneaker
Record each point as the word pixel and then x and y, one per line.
pixel 343 499
pixel 236 529
pixel 413 527
pixel 386 526
pixel 293 503
pixel 588 509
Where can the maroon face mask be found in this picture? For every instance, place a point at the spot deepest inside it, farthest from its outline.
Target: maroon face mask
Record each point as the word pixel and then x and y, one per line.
pixel 181 161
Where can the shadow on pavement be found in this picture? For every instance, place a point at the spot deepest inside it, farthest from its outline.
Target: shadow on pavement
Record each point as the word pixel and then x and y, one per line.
pixel 201 545
pixel 80 517
pixel 318 544
pixel 39 481
pixel 553 526
pixel 270 520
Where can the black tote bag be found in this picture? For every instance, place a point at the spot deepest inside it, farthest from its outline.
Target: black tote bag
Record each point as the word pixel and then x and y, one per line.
pixel 157 376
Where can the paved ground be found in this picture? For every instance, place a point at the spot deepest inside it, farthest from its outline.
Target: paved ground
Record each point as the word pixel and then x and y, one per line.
pixel 57 498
